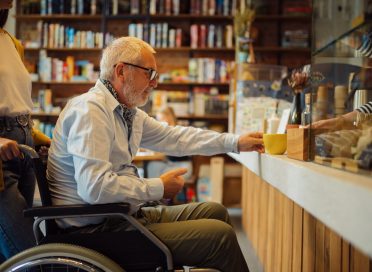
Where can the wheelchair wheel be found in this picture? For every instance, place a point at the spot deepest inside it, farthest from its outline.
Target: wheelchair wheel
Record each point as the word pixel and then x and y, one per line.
pixel 59 258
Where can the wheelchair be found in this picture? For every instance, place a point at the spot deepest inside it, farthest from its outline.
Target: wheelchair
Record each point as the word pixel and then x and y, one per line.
pixel 136 250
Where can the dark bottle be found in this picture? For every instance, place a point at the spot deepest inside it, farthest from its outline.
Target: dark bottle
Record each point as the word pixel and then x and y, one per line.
pixel 296 110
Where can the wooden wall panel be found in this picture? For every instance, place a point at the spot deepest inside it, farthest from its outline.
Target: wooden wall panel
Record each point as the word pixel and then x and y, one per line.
pixel 359 261
pixel 297 238
pixel 287 238
pixel 263 222
pixel 319 246
pixel 345 263
pixel 269 258
pixel 335 252
pixel 278 240
pixel 287 243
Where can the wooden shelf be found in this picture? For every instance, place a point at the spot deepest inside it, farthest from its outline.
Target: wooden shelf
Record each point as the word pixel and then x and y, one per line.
pixel 204 117
pixel 57 17
pixel 281 49
pixel 191 117
pixel 188 84
pixel 305 18
pixel 189 49
pixel 170 17
pixel 159 49
pixel 64 49
pixel 65 82
pixel 160 84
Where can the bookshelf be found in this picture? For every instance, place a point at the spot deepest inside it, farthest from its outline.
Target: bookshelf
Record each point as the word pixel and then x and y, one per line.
pixel 111 18
pixel 117 17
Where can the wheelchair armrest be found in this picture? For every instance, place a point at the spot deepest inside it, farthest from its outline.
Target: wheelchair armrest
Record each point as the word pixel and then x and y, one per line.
pixel 69 210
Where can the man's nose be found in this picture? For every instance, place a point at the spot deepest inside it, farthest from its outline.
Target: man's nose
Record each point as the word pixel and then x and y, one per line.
pixel 154 83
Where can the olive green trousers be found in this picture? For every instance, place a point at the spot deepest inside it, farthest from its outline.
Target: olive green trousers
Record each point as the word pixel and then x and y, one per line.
pixel 197 234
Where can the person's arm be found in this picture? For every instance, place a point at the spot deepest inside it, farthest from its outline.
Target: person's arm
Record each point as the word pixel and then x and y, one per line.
pixel 346 121
pixel 183 141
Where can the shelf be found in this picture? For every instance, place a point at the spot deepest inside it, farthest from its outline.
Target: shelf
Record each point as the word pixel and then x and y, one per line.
pixel 204 117
pixel 189 49
pixel 158 17
pixel 281 49
pixel 305 18
pixel 191 84
pixel 65 82
pixel 170 17
pixel 64 49
pixel 57 17
pixel 192 117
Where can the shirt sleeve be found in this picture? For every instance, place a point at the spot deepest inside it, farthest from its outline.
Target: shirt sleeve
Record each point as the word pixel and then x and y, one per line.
pixel 89 141
pixel 366 108
pixel 185 141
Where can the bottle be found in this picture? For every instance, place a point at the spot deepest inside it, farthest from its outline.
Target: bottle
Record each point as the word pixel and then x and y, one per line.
pixel 306 114
pixel 296 110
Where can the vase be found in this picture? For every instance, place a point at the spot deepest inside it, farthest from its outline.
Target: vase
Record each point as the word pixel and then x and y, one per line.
pixel 296 110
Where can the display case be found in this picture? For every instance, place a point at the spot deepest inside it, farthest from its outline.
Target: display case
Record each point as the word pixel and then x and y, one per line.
pixel 341 131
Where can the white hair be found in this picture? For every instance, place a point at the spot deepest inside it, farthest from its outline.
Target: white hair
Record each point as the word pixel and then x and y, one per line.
pixel 126 49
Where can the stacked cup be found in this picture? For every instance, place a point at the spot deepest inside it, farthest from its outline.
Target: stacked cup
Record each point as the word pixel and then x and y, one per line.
pixel 321 106
pixel 340 96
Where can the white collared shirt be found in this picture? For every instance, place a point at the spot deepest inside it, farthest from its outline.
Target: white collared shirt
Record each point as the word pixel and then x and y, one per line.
pixel 89 159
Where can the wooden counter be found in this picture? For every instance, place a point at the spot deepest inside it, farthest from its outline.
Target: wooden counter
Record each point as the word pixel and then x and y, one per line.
pixel 301 216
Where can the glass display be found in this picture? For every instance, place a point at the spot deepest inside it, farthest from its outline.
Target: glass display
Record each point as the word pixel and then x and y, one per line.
pixel 342 103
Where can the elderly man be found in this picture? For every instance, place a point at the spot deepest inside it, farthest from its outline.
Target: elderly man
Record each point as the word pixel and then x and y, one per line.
pixel 95 140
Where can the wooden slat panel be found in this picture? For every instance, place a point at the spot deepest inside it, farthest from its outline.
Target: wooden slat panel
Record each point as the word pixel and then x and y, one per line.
pixel 345 256
pixel 264 200
pixel 335 251
pixel 319 247
pixel 297 238
pixel 244 196
pixel 271 224
pixel 327 237
pixel 279 204
pixel 287 234
pixel 256 214
pixel 308 254
pixel 360 262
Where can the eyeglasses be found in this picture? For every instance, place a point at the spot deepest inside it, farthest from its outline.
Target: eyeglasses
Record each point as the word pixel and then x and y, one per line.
pixel 151 72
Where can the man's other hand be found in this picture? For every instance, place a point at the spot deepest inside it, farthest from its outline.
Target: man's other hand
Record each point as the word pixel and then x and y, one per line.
pixel 251 142
pixel 173 182
pixel 8 149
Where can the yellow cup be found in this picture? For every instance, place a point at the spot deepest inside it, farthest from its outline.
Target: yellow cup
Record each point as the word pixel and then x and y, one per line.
pixel 275 144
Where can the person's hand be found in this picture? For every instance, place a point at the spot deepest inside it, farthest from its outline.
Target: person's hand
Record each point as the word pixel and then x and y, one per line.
pixel 8 149
pixel 173 182
pixel 251 142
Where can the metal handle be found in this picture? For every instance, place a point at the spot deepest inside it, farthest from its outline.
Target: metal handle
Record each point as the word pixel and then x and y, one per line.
pixel 25 149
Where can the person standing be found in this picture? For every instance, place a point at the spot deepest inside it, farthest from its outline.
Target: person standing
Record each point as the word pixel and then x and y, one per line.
pixel 17 181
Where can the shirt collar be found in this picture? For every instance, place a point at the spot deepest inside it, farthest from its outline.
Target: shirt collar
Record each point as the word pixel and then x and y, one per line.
pixel 127 112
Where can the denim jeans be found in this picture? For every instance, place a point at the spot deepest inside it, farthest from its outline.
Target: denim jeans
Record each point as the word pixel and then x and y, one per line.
pixel 15 230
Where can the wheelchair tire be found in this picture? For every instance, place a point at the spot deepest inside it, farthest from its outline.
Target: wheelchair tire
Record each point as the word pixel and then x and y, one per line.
pixel 57 257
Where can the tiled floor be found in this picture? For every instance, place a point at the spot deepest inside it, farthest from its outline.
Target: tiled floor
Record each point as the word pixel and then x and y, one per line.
pixel 249 254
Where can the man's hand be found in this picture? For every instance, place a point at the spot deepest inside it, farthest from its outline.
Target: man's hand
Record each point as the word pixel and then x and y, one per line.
pixel 173 182
pixel 8 149
pixel 251 142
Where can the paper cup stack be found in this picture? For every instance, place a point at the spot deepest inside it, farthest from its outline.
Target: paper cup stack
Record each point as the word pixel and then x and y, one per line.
pixel 340 98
